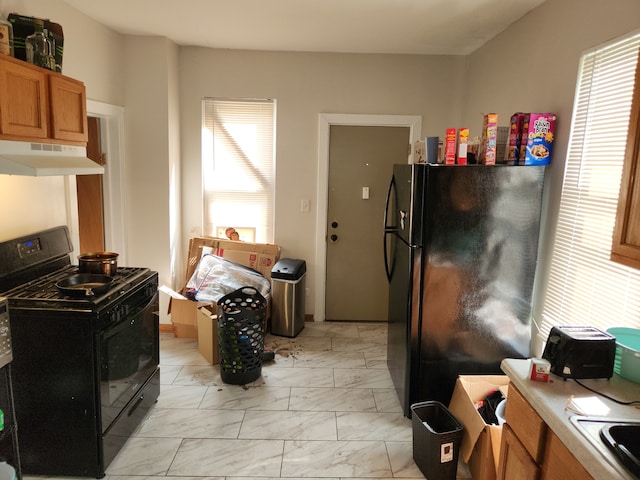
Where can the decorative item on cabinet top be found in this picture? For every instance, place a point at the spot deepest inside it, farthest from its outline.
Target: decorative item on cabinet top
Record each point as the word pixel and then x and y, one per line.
pixel 24 27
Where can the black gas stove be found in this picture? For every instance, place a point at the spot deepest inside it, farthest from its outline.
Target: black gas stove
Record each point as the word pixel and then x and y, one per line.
pixel 85 368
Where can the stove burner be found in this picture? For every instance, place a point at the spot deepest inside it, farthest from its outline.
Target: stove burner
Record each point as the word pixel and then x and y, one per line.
pixel 44 289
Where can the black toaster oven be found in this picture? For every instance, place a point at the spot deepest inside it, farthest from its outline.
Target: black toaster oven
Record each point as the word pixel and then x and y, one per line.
pixel 580 352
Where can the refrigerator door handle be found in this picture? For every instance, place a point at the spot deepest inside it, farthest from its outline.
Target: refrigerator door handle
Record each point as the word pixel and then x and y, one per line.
pixel 388 229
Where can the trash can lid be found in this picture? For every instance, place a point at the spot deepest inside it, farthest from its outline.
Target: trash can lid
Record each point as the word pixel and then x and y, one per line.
pixel 289 269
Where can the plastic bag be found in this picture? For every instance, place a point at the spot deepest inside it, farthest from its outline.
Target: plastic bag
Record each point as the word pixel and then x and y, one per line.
pixel 216 277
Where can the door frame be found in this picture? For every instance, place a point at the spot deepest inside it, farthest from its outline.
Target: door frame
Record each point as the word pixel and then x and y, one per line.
pixel 112 142
pixel 114 178
pixel 325 120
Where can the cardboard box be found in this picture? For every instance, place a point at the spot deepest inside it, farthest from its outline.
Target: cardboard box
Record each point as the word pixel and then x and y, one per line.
pixel 480 446
pixel 208 334
pixel 259 256
pixel 183 313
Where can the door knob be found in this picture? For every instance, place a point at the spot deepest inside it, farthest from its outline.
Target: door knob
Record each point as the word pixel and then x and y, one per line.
pixel 334 237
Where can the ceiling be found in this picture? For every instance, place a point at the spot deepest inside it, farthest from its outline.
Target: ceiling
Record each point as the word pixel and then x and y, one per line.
pixel 428 27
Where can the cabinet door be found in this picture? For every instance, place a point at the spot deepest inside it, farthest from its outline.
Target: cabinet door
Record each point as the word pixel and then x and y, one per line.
pixel 559 463
pixel 526 423
pixel 68 109
pixel 515 461
pixel 626 235
pixel 23 100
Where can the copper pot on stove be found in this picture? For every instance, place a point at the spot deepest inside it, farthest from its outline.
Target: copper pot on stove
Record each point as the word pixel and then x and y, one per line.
pixel 103 263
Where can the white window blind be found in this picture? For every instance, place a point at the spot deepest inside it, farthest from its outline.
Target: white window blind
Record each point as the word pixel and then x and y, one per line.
pixel 238 159
pixel 585 287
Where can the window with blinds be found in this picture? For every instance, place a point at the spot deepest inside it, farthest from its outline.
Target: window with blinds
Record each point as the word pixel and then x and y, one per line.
pixel 238 161
pixel 585 287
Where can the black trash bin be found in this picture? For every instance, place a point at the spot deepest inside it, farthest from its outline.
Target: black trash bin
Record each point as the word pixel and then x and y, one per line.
pixel 436 440
pixel 241 329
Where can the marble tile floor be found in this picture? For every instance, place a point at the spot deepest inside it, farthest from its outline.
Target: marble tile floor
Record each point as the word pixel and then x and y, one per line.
pixel 325 408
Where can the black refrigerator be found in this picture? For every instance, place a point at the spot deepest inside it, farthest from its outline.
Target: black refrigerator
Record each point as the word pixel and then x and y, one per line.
pixel 460 249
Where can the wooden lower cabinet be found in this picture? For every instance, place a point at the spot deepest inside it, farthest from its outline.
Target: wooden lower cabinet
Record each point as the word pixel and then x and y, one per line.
pixel 559 463
pixel 529 449
pixel 515 461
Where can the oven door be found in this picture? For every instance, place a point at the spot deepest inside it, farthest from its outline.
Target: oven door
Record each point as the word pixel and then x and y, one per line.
pixel 129 355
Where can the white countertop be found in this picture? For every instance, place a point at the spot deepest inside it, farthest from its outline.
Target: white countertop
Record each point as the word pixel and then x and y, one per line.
pixel 550 399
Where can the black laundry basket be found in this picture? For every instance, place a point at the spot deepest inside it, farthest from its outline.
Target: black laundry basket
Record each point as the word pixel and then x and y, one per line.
pixel 241 327
pixel 436 440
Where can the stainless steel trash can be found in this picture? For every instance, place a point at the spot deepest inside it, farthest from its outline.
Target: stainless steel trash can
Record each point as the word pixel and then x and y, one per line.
pixel 288 292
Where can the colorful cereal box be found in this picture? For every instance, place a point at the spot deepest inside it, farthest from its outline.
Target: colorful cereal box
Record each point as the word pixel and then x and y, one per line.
pixel 512 153
pixel 522 152
pixel 450 147
pixel 489 139
pixel 463 140
pixel 540 136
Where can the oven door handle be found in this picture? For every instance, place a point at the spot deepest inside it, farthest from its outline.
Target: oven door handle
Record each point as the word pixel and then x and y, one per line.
pixel 135 405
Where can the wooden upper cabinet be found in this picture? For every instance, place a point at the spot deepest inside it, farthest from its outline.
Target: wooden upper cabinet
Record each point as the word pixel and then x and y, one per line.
pixel 626 235
pixel 40 105
pixel 23 100
pixel 68 104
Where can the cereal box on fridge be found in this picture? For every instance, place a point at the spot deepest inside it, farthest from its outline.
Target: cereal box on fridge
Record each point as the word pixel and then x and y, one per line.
pixel 515 139
pixel 524 131
pixel 463 140
pixel 450 147
pixel 489 139
pixel 540 137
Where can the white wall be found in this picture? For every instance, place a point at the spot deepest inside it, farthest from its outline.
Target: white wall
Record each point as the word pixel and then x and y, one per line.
pixel 152 165
pixel 533 66
pixel 304 86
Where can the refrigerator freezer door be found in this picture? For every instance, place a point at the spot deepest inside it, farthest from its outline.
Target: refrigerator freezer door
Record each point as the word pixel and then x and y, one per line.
pixel 405 204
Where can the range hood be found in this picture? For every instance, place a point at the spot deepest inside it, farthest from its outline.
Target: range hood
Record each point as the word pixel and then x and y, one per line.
pixel 45 159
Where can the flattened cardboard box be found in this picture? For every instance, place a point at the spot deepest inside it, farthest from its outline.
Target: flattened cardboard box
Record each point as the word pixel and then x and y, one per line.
pixel 480 446
pixel 259 256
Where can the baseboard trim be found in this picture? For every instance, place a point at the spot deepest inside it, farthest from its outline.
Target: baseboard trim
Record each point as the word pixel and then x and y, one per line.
pixel 166 327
